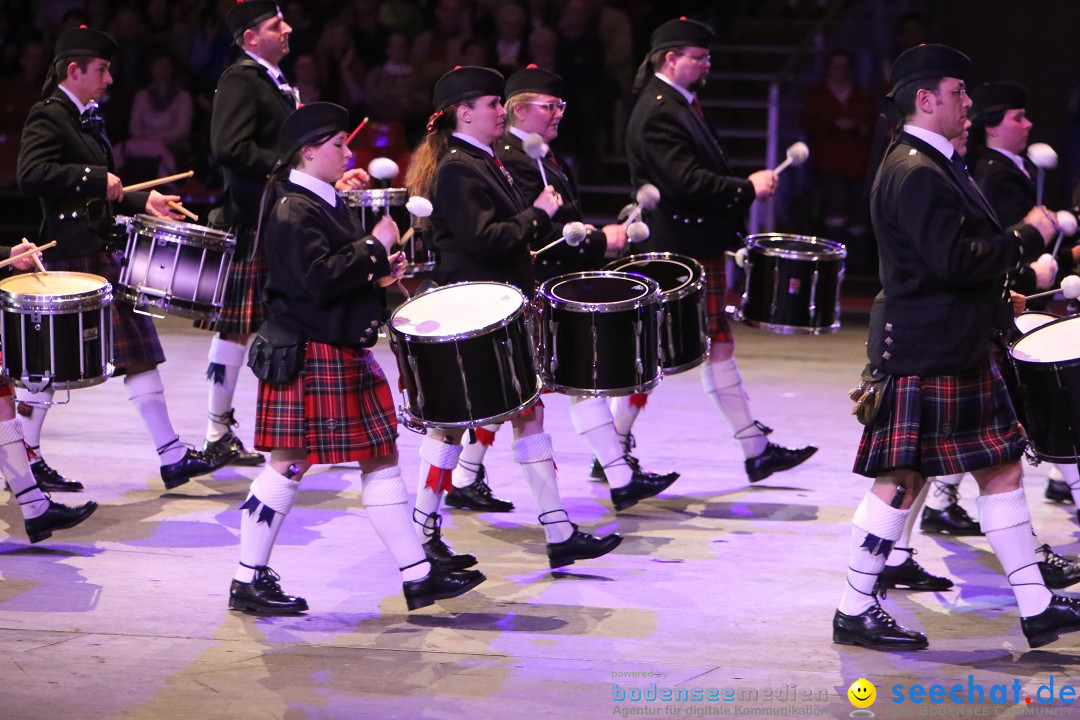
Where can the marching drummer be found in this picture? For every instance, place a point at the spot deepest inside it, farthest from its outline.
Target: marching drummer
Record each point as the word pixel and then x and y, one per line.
pixel 701 213
pixel 534 108
pixel 481 226
pixel 322 396
pixel 66 161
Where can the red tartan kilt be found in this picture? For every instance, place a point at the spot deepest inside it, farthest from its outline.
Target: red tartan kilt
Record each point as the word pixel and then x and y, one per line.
pixel 135 339
pixel 339 407
pixel 242 308
pixel 943 425
pixel 715 318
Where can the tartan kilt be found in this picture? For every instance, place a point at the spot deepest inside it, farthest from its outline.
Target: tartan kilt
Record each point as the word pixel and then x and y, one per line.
pixel 135 339
pixel 716 319
pixel 943 425
pixel 339 408
pixel 242 307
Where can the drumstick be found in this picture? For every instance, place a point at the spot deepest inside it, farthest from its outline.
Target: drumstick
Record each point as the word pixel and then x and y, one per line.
pixel 183 210
pixel 406 237
pixel 20 256
pixel 356 132
pixel 160 181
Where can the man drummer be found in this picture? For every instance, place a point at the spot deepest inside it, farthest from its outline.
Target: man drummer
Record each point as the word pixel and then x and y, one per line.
pixel 701 212
pixel 66 160
pixel 534 106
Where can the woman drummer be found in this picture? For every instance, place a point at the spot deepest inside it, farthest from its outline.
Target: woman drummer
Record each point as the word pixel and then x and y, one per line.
pixel 481 228
pixel 332 405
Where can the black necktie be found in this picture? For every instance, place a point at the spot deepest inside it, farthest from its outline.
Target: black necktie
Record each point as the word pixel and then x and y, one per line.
pixel 91 120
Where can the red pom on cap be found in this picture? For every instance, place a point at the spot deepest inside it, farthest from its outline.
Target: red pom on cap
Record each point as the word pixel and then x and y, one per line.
pixel 532 66
pixel 82 27
pixel 681 17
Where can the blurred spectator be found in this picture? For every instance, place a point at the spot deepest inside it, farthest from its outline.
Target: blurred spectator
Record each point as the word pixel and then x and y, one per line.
pixel 394 90
pixel 474 51
pixel 303 39
pixel 160 126
pixel 342 64
pixel 542 13
pixel 212 46
pixel 438 49
pixel 402 16
pixel 511 26
pixel 308 78
pixel 544 48
pixel 369 33
pixel 613 28
pixel 19 92
pixel 580 61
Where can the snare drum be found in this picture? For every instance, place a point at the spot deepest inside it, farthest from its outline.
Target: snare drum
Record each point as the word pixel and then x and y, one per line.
pixel 420 254
pixel 600 333
pixel 684 338
pixel 1047 364
pixel 465 355
pixel 175 268
pixel 376 198
pixel 792 284
pixel 56 330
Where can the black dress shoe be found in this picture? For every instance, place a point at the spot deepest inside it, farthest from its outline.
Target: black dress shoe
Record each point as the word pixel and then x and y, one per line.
pixel 441 556
pixel 1062 616
pixel 875 629
pixel 263 596
pixel 477 497
pixel 1058 491
pixel 57 517
pixel 192 464
pixel 596 472
pixel 232 448
pixel 953 520
pixel 597 469
pixel 1058 572
pixel 641 486
pixel 911 575
pixel 581 546
pixel 440 584
pixel 775 459
pixel 51 481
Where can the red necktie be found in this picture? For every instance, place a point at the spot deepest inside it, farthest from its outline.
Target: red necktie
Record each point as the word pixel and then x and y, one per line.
pixel 697 107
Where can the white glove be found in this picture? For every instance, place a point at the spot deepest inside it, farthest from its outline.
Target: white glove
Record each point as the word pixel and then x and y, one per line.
pixel 1045 271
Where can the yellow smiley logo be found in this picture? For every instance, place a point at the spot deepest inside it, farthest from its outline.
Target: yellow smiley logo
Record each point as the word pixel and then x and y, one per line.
pixel 862 693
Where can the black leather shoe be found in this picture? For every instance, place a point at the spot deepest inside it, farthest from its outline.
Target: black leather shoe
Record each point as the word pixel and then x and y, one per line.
pixel 441 556
pixel 477 497
pixel 775 459
pixel 953 520
pixel 51 481
pixel 263 596
pixel 1063 616
pixel 1058 572
pixel 232 448
pixel 440 584
pixel 875 629
pixel 1058 491
pixel 597 470
pixel 581 546
pixel 57 517
pixel 910 575
pixel 192 464
pixel 641 486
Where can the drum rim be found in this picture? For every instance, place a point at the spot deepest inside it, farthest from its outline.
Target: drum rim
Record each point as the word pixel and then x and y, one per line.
pixel 833 251
pixel 737 315
pixel 1062 363
pixel 695 284
pixel 651 296
pixel 501 417
pixel 110 370
pixel 613 392
pixel 506 321
pixel 389 197
pixel 185 233
pixel 21 303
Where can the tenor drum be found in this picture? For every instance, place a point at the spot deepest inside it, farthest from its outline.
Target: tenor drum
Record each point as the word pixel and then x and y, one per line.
pixel 175 268
pixel 1031 319
pixel 56 330
pixel 420 254
pixel 465 355
pixel 1047 364
pixel 684 337
pixel 600 333
pixel 792 284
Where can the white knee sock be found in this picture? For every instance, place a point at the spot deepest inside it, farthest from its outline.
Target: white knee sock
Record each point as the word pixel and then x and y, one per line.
pixel 261 516
pixel 387 504
pixel 14 468
pixel 146 392
pixel 723 384
pixel 593 422
pixel 624 412
pixel 472 455
pixel 874 522
pixel 537 459
pixel 1006 522
pixel 31 424
pixel 1071 474
pixel 898 555
pixel 226 358
pixel 944 491
pixel 437 461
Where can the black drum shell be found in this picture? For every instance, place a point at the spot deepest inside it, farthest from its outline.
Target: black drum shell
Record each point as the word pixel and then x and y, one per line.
pixel 1049 395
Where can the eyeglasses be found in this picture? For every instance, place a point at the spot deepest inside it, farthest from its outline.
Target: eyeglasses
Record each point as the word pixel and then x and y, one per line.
pixel 706 58
pixel 961 91
pixel 551 107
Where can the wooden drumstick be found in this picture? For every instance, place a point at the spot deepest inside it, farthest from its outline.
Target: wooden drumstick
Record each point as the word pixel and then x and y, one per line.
pixel 354 133
pixel 183 211
pixel 20 256
pixel 160 181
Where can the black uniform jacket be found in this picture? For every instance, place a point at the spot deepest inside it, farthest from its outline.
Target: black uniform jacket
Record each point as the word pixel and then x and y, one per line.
pixel 944 259
pixel 322 269
pixel 702 205
pixel 562 258
pixel 481 224
pixel 67 167
pixel 248 112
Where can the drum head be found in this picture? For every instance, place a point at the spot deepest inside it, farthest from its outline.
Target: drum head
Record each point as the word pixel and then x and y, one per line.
pixel 182 232
pixel 1028 321
pixel 457 311
pixel 600 291
pixel 1055 342
pixel 54 292
pixel 803 247
pixel 675 274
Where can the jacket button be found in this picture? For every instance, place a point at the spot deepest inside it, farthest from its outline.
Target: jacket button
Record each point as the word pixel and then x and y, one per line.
pixel 62 216
pixel 886 355
pixel 888 341
pixel 888 327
